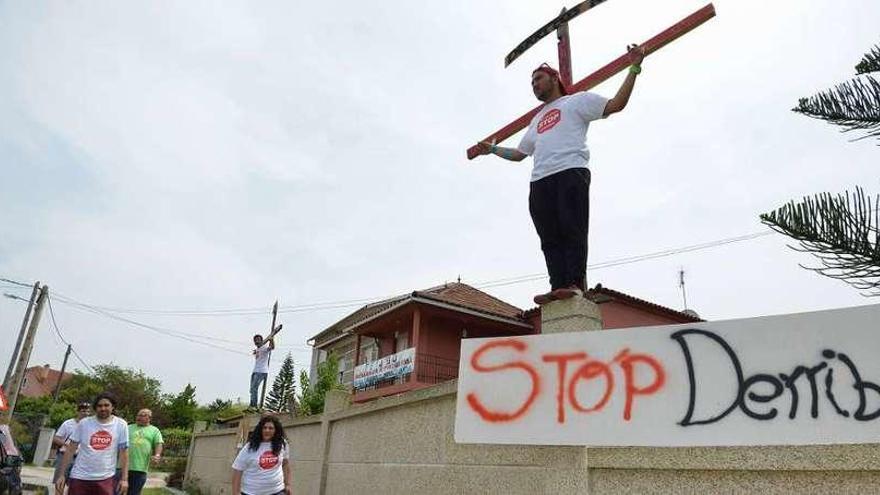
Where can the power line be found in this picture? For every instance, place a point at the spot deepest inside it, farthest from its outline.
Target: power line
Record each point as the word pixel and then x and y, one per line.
pixel 60 336
pixel 201 339
pixel 14 282
pixel 167 332
pixel 108 312
pixel 308 307
pixel 237 311
pixel 163 331
pixel 191 337
pixel 629 259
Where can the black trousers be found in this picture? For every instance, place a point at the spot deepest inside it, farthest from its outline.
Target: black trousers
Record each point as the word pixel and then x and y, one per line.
pixel 560 209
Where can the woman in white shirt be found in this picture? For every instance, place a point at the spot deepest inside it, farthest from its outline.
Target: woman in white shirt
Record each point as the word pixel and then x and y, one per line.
pixel 262 467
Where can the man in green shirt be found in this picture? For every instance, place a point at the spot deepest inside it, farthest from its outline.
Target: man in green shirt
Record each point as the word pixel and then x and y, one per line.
pixel 144 445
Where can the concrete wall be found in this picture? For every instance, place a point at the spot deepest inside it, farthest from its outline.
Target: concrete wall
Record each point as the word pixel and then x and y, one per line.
pixel 405 444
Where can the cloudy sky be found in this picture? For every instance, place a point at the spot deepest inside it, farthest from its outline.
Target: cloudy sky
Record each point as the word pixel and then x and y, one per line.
pixel 161 158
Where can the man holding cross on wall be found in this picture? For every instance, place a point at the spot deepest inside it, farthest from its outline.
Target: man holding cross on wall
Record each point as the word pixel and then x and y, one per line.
pixel 559 200
pixel 262 353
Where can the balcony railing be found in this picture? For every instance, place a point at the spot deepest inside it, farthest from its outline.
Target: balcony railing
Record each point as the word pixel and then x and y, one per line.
pixel 431 369
pixel 435 369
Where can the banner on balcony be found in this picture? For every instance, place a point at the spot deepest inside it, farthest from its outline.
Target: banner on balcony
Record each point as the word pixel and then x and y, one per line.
pixel 387 368
pixel 800 379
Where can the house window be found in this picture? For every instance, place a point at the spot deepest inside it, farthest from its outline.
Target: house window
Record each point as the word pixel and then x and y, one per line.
pixel 401 341
pixel 343 365
pixel 369 351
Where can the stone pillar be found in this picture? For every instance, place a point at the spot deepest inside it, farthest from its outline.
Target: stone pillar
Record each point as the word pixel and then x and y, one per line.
pixel 577 314
pixel 44 446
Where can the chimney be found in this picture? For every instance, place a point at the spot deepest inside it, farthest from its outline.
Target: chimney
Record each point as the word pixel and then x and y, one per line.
pixel 43 373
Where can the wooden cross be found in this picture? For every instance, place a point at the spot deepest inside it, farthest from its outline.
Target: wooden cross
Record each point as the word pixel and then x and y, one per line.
pixel 273 331
pixel 560 24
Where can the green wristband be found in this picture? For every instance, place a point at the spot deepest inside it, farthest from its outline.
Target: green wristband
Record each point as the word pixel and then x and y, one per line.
pixel 635 69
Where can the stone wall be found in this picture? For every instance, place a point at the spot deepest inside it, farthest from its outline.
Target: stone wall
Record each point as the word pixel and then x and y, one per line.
pixel 405 444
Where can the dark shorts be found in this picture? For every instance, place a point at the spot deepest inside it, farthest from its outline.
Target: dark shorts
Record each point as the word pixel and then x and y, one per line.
pixel 136 481
pixel 90 487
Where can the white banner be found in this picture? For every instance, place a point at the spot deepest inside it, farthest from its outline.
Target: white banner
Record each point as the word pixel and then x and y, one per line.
pixel 800 379
pixel 388 367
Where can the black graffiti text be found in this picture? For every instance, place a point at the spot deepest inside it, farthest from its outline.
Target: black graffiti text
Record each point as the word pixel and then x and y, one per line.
pixel 749 400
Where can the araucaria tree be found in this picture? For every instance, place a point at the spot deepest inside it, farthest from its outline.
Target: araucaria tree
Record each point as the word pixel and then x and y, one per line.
pixel 843 231
pixel 853 105
pixel 283 388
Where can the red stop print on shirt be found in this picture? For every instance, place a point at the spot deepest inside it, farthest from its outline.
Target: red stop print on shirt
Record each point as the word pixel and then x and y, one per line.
pixel 100 440
pixel 549 120
pixel 268 460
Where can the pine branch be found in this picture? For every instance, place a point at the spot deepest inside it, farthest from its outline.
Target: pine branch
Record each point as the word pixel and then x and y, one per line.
pixel 871 62
pixel 843 232
pixel 854 105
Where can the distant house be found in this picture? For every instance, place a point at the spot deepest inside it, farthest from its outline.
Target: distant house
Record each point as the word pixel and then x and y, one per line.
pixel 412 341
pixel 40 381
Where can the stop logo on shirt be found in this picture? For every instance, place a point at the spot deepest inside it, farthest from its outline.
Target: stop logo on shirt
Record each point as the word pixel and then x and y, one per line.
pixel 100 440
pixel 268 460
pixel 549 120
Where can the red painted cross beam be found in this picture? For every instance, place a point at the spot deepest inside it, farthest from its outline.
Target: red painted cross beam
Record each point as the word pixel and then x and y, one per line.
pixel 681 28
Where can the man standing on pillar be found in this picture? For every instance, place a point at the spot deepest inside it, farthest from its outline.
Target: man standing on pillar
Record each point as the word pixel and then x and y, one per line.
pixel 559 200
pixel 261 353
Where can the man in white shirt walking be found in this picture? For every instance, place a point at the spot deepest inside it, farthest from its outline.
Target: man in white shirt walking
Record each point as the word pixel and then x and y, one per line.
pixel 559 200
pixel 62 435
pixel 102 441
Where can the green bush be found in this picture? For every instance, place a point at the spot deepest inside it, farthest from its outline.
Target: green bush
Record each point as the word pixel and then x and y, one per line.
pixel 176 442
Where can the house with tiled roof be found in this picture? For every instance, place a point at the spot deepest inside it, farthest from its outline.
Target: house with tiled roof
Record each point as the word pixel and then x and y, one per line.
pixel 413 340
pixel 40 381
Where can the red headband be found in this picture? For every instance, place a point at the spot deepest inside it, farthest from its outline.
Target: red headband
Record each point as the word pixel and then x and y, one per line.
pixel 550 71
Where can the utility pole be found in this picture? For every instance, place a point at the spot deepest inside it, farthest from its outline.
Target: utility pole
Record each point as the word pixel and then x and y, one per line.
pixel 61 376
pixel 25 355
pixel 21 332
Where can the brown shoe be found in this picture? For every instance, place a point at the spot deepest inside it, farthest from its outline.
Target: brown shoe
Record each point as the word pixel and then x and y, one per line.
pixel 565 293
pixel 542 299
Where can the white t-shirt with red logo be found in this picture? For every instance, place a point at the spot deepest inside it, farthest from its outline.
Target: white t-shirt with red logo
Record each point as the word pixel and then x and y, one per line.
pixel 261 361
pixel 99 444
pixel 557 135
pixel 261 469
pixel 64 432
